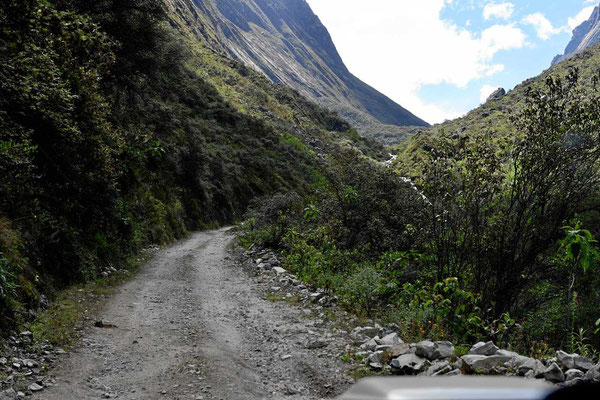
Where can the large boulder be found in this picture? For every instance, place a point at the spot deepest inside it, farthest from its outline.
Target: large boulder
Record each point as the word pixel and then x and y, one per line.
pixel 391 339
pixel 434 351
pixel 573 361
pixel 554 374
pixel 473 363
pixel 408 364
pixel 484 349
pixel 425 349
pixel 400 350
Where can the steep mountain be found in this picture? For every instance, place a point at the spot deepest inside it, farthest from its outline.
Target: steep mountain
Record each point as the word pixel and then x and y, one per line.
pixel 585 35
pixel 287 42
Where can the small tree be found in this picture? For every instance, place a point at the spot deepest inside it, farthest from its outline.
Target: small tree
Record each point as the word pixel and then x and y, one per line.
pixel 578 252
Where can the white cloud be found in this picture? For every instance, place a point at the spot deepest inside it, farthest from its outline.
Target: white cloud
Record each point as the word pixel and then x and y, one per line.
pixel 400 46
pixel 500 10
pixel 485 92
pixel 580 18
pixel 542 25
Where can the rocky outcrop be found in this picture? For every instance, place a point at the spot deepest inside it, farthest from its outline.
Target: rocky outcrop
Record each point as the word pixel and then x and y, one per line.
pixel 286 41
pixel 496 94
pixel 585 35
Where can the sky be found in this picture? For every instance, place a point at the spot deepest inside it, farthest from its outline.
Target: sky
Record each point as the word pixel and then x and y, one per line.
pixel 441 58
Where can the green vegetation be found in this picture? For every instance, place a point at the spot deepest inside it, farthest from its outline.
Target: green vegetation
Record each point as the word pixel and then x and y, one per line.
pixel 477 248
pixel 117 132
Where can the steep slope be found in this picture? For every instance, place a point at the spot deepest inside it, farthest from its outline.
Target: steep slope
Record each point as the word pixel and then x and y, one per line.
pixel 585 35
pixel 286 41
pixel 106 148
pixel 492 119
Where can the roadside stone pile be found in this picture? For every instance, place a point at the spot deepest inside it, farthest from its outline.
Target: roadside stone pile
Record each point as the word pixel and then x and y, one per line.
pixel 22 365
pixel 383 350
pixel 266 262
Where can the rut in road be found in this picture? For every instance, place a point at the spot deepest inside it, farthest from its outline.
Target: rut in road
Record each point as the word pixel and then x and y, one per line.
pixel 193 325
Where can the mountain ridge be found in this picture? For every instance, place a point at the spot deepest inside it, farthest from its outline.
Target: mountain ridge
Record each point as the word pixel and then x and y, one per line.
pixel 288 43
pixel 585 35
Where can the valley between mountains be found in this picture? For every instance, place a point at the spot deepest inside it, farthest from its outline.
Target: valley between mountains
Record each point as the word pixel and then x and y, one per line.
pixel 194 325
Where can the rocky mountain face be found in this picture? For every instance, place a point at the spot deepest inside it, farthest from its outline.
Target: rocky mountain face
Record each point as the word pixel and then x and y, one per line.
pixel 287 42
pixel 585 35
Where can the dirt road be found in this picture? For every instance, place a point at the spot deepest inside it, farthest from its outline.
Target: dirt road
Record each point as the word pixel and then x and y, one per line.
pixel 193 325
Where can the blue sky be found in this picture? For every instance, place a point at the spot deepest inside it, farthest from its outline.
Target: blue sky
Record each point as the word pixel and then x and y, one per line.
pixel 440 58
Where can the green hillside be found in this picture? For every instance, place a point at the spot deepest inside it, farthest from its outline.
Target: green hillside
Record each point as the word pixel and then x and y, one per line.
pixel 118 132
pixel 493 119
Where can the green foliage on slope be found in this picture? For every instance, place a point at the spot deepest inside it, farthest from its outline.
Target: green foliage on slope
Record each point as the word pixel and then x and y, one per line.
pixel 473 250
pixel 117 132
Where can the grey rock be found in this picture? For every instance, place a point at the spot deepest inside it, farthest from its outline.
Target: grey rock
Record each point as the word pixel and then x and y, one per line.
pixel 425 349
pixel 506 353
pixel 554 374
pixel 361 331
pixel 444 371
pixel 386 330
pixel 278 270
pixel 573 361
pixel 34 387
pixel 472 363
pixel 383 347
pixel 376 357
pixel 530 374
pixel 391 339
pixel 497 94
pixel 573 374
pixel 572 382
pixel 400 350
pixel 315 297
pixel 8 394
pixel 3 361
pixel 443 349
pixel 369 345
pixel 524 365
pixel 377 366
pixel 408 364
pixel 484 349
pixel 593 374
pixel 437 367
pixel 456 372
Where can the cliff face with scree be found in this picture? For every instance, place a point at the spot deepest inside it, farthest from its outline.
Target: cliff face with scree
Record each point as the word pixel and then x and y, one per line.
pixel 287 42
pixel 585 35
